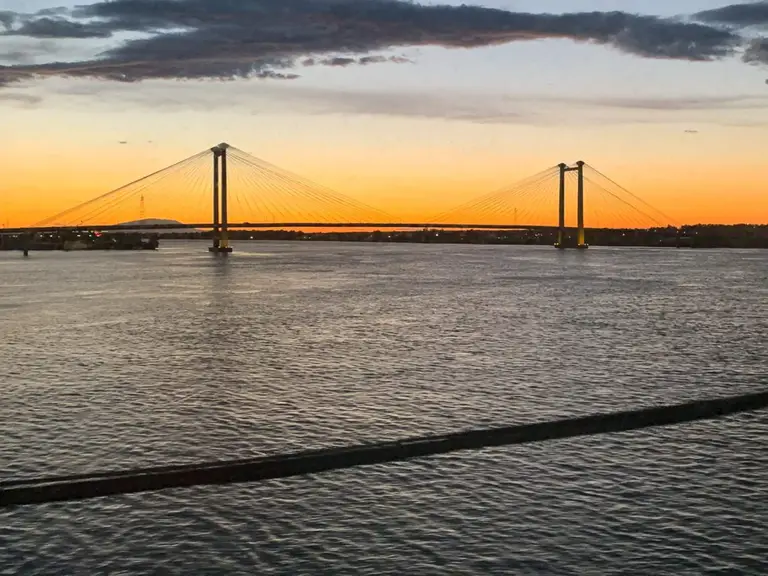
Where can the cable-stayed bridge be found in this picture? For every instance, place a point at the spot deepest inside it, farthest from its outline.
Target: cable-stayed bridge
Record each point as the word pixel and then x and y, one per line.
pixel 224 188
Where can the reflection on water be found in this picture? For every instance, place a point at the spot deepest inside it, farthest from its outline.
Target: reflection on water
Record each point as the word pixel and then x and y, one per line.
pixel 111 360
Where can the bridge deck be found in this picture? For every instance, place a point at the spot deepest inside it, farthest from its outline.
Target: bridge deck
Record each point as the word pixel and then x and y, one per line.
pixel 273 226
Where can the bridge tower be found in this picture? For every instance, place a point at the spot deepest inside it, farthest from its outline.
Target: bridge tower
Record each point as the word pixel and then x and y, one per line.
pixel 220 230
pixel 581 243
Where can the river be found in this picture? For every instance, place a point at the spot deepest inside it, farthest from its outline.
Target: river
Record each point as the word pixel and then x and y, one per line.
pixel 118 359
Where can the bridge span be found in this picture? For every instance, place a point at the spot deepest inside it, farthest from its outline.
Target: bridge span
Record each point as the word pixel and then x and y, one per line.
pixel 272 226
pixel 228 183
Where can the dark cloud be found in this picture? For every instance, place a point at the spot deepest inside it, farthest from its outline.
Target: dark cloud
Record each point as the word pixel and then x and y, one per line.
pixel 381 59
pixel 55 11
pixel 46 23
pixel 751 14
pixel 344 61
pixel 7 19
pixel 15 56
pixel 25 51
pixel 48 27
pixel 757 52
pixel 224 39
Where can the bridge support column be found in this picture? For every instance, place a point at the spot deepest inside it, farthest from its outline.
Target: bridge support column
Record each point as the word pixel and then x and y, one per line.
pixel 580 239
pixel 562 241
pixel 561 210
pixel 216 156
pixel 224 215
pixel 220 216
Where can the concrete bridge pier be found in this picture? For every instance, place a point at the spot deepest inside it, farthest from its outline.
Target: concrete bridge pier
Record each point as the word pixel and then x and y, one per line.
pixel 220 215
pixel 562 241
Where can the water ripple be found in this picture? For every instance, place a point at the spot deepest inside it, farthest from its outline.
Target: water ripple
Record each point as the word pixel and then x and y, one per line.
pixel 115 361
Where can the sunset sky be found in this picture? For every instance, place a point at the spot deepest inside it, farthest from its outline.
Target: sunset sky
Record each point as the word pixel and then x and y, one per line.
pixel 667 98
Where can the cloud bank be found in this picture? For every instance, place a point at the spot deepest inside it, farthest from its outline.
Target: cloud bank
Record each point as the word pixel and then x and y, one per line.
pixel 476 107
pixel 741 15
pixel 751 17
pixel 226 39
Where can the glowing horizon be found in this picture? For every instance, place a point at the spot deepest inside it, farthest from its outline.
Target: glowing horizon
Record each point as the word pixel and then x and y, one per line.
pixel 397 194
pixel 413 134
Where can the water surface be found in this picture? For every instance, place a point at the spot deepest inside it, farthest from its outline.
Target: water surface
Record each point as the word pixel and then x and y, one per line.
pixel 112 360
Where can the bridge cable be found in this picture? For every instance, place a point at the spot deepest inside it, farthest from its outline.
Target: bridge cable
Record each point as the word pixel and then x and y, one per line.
pixel 178 164
pixel 624 220
pixel 505 206
pixel 311 189
pixel 126 193
pixel 117 198
pixel 259 199
pixel 607 212
pixel 620 199
pixel 272 202
pixel 542 195
pixel 635 196
pixel 293 188
pixel 251 178
pixel 246 199
pixel 496 197
pixel 95 485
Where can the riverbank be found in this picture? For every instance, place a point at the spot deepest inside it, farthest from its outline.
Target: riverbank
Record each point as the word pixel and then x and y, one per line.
pixel 699 236
pixel 68 242
pixel 741 236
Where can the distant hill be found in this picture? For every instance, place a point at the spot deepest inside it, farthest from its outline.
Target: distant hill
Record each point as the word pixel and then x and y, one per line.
pixel 149 222
pixel 158 222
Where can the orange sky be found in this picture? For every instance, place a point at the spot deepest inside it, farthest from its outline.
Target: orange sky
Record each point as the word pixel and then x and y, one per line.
pixel 413 169
pixel 414 139
pixel 67 150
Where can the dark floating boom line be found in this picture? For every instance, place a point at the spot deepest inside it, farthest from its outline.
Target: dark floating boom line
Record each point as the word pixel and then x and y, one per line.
pixel 96 485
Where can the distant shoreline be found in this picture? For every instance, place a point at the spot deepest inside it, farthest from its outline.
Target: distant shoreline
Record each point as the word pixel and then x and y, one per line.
pixel 695 237
pixel 755 237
